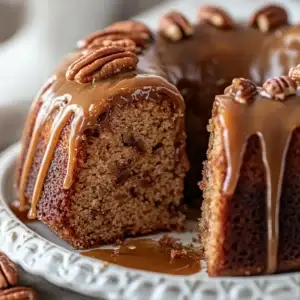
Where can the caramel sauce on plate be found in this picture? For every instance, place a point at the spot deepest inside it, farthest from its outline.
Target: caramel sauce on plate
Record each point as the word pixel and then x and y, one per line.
pixel 22 215
pixel 149 255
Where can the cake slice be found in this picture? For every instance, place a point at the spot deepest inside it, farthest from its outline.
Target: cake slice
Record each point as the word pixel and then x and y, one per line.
pixel 103 152
pixel 251 210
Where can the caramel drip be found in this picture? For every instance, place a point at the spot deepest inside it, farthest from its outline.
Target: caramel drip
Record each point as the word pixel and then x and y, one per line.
pixel 40 120
pixel 80 105
pixel 58 124
pixel 274 122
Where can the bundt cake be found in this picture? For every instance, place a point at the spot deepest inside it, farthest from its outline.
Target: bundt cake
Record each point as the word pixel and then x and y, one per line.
pixel 251 217
pixel 103 151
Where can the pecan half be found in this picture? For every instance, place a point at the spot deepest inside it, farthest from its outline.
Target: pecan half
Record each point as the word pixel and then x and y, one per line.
pixel 269 18
pixel 243 90
pixel 101 63
pixel 215 16
pixel 127 44
pixel 134 30
pixel 294 73
pixel 18 293
pixel 280 87
pixel 132 26
pixel 175 26
pixel 8 272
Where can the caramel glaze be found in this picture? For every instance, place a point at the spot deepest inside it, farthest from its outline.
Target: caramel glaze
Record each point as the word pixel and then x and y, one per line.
pixel 147 254
pixel 82 104
pixel 266 118
pixel 277 54
pixel 202 65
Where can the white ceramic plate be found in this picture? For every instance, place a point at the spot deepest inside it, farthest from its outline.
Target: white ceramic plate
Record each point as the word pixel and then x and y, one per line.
pixel 40 252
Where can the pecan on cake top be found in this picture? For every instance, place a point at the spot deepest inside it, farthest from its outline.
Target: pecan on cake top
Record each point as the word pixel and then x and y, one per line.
pixel 175 26
pixel 215 16
pixel 269 18
pixel 101 63
pixel 138 32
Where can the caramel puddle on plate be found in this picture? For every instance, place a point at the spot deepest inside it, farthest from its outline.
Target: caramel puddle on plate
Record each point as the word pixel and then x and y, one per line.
pixel 150 255
pixel 21 215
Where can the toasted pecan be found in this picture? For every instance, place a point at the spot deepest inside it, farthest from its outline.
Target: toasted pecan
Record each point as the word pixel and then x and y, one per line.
pixel 101 63
pixel 280 87
pixel 215 16
pixel 9 275
pixel 18 293
pixel 134 30
pixel 175 26
pixel 243 90
pixel 269 18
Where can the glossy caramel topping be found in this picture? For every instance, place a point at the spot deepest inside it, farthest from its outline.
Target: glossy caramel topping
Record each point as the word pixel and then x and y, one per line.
pixel 204 64
pixel 149 255
pixel 264 117
pixel 81 105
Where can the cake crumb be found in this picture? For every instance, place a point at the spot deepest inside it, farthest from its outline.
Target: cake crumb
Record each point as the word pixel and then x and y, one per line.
pixel 178 250
pixel 178 253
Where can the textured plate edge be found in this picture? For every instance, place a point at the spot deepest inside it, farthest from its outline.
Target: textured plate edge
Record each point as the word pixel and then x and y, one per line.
pixel 69 270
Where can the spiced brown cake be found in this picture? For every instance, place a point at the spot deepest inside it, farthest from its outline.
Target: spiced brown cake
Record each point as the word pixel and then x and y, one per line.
pixel 251 213
pixel 104 151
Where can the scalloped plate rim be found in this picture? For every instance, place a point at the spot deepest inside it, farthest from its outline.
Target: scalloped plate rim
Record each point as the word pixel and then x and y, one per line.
pixel 123 278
